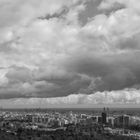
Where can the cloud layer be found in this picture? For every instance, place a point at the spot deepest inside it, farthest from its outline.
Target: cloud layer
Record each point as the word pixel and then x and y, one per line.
pixel 46 50
pixel 122 97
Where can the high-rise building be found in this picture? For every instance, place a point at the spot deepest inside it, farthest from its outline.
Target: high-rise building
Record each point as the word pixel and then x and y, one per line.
pixel 126 120
pixel 104 116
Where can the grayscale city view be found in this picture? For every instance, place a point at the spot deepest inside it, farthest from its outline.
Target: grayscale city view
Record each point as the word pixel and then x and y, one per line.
pixel 70 124
pixel 69 69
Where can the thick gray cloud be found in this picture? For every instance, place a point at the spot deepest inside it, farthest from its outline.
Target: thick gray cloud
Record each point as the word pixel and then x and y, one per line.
pixel 117 71
pixel 46 52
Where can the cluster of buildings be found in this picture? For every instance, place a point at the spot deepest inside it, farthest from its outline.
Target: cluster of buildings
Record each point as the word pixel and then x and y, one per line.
pixel 120 121
pixel 78 122
pixel 57 119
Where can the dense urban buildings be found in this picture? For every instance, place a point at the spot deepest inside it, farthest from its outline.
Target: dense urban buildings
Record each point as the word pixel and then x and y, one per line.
pixel 65 124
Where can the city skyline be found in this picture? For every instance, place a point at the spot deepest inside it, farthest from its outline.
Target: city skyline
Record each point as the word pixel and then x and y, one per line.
pixel 69 53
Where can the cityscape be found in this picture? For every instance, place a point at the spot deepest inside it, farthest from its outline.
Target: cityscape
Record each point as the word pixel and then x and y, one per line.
pixel 69 69
pixel 69 124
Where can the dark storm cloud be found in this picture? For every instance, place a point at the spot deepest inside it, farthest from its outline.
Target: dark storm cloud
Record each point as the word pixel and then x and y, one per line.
pixel 22 82
pixel 117 71
pixel 85 74
pixel 64 83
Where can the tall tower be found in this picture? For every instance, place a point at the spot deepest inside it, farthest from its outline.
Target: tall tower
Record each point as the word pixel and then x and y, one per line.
pixel 104 116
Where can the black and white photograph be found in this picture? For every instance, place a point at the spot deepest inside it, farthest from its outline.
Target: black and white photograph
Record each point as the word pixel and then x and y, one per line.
pixel 69 69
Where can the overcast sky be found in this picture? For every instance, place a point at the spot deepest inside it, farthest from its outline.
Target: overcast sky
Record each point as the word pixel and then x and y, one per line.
pixel 69 52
